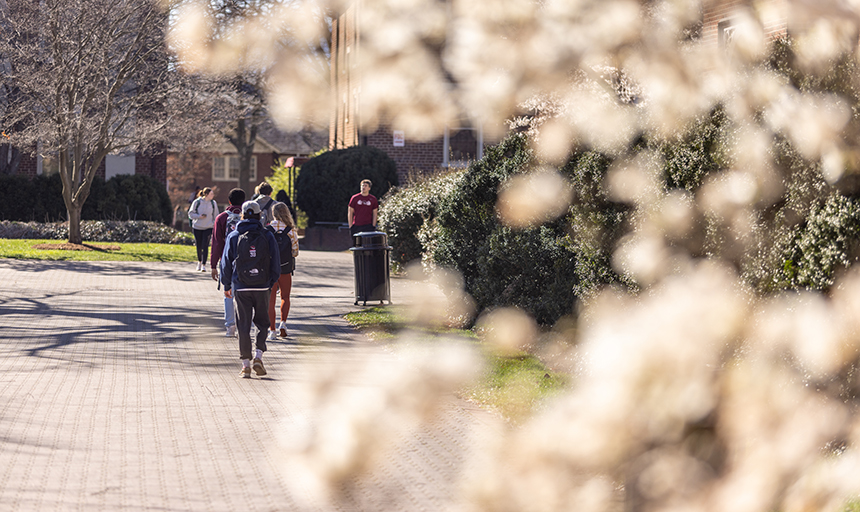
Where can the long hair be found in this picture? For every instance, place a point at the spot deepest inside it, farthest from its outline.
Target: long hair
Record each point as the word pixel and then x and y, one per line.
pixel 204 192
pixel 282 213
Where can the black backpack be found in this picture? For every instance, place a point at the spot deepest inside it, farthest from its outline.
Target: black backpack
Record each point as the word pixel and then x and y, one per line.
pixel 253 259
pixel 285 246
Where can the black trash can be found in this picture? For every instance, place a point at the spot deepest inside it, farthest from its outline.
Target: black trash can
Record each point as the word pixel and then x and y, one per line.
pixel 370 255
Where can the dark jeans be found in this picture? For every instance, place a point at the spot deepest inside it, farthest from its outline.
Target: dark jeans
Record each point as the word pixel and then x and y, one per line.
pixel 201 239
pixel 251 306
pixel 364 228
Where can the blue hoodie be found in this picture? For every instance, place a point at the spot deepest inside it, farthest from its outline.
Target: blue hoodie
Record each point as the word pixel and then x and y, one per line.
pixel 229 278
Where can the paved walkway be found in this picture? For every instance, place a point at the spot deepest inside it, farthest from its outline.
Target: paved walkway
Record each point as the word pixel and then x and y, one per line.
pixel 119 391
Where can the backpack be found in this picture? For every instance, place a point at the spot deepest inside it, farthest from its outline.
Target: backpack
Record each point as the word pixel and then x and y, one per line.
pixel 266 212
pixel 233 219
pixel 196 205
pixel 253 259
pixel 285 246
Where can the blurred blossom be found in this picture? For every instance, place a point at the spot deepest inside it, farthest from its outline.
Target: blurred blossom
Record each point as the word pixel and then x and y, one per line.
pixel 811 329
pixel 362 408
pixel 812 122
pixel 726 193
pixel 528 200
pixel 674 215
pixel 748 40
pixel 825 39
pixel 635 181
pixel 690 394
pixel 555 140
pixel 509 330
pixel 618 123
pixel 439 299
pixel 645 258
pixel 832 165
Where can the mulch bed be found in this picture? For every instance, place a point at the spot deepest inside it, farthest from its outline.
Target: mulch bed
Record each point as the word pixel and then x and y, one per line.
pixel 76 247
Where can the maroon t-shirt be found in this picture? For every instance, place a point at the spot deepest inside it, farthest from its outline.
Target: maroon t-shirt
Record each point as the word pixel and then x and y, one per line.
pixel 363 206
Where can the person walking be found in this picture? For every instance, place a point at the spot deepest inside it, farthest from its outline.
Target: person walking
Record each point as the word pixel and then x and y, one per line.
pixel 363 210
pixel 284 229
pixel 250 266
pixel 202 214
pixel 225 223
pixel 265 201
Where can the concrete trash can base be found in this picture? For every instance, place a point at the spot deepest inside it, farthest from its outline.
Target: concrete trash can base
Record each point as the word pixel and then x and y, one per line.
pixel 370 255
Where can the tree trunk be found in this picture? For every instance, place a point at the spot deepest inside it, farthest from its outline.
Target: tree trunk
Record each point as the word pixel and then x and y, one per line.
pixel 74 224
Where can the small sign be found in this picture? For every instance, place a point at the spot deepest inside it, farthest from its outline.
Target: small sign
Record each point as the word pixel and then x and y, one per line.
pixel 399 138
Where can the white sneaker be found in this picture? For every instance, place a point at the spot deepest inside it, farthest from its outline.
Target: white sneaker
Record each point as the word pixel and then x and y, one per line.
pixel 283 328
pixel 199 266
pixel 231 331
pixel 273 336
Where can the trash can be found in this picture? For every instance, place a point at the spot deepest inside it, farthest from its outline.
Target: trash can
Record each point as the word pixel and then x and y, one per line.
pixel 370 256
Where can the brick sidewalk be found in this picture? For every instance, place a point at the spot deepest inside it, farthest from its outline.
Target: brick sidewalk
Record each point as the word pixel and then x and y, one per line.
pixel 120 392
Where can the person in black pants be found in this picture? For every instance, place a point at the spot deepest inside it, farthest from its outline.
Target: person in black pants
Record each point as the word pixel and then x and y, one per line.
pixel 248 273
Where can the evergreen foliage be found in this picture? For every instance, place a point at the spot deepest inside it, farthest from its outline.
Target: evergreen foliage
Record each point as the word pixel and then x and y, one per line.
pixel 123 197
pixel 327 181
pixel 405 210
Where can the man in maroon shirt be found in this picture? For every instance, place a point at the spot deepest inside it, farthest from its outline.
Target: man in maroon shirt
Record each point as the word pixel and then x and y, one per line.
pixel 219 236
pixel 362 211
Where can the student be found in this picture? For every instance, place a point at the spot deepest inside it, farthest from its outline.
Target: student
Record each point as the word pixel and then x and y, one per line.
pixel 265 201
pixel 250 266
pixel 284 230
pixel 363 210
pixel 225 223
pixel 202 214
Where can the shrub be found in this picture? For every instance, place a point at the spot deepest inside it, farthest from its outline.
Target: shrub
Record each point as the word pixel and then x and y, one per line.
pixel 98 231
pixel 826 242
pixel 327 181
pixel 530 268
pixel 404 210
pixel 135 197
pixel 124 197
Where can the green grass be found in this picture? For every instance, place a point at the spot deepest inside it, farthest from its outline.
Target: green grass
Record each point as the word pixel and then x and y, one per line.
pixel 515 386
pixel 384 322
pixel 23 249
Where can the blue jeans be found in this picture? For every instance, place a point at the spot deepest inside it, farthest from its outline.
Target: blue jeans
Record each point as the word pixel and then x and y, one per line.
pixel 229 313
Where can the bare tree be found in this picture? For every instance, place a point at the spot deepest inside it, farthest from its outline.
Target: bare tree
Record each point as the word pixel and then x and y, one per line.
pixel 90 78
pixel 246 82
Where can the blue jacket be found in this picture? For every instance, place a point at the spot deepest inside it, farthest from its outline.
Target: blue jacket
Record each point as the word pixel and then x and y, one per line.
pixel 229 277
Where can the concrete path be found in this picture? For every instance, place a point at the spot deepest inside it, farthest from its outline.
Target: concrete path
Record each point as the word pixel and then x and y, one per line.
pixel 119 391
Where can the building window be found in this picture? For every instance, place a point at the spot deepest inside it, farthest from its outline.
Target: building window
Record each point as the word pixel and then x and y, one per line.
pixel 226 168
pixel 462 144
pixel 725 33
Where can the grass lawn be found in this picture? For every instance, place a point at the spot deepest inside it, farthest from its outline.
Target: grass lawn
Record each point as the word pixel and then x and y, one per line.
pixel 95 251
pixel 513 385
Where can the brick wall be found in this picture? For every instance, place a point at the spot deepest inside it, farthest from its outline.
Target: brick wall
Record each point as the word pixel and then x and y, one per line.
pixel 413 156
pixel 27 167
pixel 773 13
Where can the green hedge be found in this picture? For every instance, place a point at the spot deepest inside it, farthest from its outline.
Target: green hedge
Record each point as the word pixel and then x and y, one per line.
pixel 404 210
pixel 124 197
pixel 534 269
pixel 327 181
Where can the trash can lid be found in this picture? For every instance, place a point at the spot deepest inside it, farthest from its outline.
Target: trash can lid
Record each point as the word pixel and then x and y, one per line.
pixel 370 239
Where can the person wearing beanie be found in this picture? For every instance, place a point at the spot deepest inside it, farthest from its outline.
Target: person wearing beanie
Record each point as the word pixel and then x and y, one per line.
pixel 250 266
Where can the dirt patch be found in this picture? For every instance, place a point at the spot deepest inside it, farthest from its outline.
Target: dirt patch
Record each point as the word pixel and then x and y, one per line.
pixel 76 247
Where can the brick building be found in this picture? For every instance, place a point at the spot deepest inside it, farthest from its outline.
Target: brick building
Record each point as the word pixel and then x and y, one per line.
pixel 218 167
pixel 458 145
pixel 719 20
pixel 152 165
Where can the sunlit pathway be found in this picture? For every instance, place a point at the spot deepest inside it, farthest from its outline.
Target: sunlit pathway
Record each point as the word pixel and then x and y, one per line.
pixel 119 391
